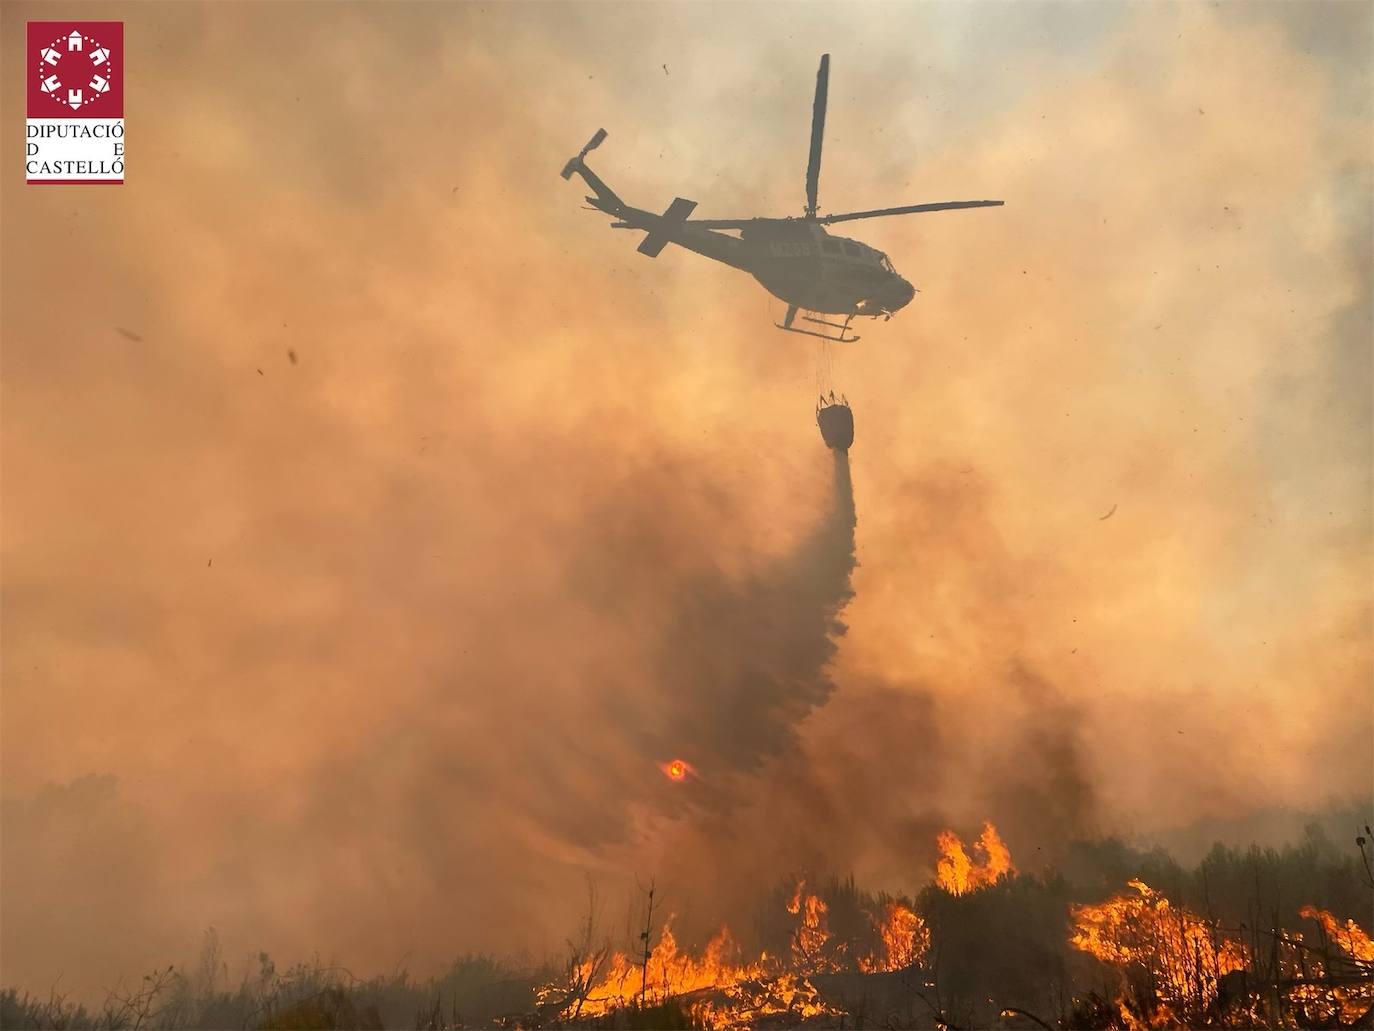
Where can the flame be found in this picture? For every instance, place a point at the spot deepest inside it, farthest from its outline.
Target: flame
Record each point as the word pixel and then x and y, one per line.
pixel 720 989
pixel 1186 960
pixel 745 1002
pixel 728 993
pixel 906 940
pixel 1184 954
pixel 958 873
pixel 1350 938
pixel 668 972
pixel 1345 1001
pixel 812 933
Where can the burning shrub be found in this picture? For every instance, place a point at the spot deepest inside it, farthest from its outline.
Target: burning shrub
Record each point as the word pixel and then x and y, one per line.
pixel 1181 956
pixel 905 938
pixel 1181 970
pixel 1350 938
pixel 1329 983
pixel 813 950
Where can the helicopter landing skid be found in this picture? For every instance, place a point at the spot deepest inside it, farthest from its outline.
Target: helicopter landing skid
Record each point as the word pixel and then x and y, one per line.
pixel 841 336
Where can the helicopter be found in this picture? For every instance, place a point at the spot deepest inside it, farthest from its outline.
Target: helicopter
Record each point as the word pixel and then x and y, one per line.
pixel 795 259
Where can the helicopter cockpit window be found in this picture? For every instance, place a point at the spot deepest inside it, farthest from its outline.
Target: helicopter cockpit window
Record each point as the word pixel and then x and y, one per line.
pixel 882 260
pixel 829 246
pixel 852 249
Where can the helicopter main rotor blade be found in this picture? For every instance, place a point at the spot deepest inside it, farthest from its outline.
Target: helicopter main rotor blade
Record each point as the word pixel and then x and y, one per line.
pixel 849 216
pixel 813 163
pixel 910 209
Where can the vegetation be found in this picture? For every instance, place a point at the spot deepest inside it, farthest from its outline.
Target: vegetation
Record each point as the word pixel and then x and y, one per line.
pixel 477 991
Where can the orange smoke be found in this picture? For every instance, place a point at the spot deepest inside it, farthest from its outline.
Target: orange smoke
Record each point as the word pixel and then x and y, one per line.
pixel 958 873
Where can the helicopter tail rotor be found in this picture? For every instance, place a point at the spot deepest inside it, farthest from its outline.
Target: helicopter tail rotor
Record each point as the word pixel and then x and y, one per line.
pixel 604 198
pixel 575 163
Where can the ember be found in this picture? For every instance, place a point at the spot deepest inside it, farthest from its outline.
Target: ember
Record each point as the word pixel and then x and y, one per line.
pixel 677 769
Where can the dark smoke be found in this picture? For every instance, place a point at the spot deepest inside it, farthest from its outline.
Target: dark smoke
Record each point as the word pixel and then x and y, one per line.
pixel 743 665
pixel 1041 791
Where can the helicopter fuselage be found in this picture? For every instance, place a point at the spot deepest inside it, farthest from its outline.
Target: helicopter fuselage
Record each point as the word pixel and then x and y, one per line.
pixel 801 263
pixel 795 260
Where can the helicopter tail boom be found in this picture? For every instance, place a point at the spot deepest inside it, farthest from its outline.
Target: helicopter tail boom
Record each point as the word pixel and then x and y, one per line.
pixel 660 230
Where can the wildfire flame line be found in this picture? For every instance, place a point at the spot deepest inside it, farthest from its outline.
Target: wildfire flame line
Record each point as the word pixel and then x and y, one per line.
pixel 1176 968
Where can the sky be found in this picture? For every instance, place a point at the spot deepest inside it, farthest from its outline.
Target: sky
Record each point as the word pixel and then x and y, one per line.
pixel 374 651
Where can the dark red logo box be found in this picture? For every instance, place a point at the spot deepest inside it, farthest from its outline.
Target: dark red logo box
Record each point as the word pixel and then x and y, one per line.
pixel 75 61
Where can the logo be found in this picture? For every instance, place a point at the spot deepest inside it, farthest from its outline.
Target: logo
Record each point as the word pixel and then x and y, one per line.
pixel 75 127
